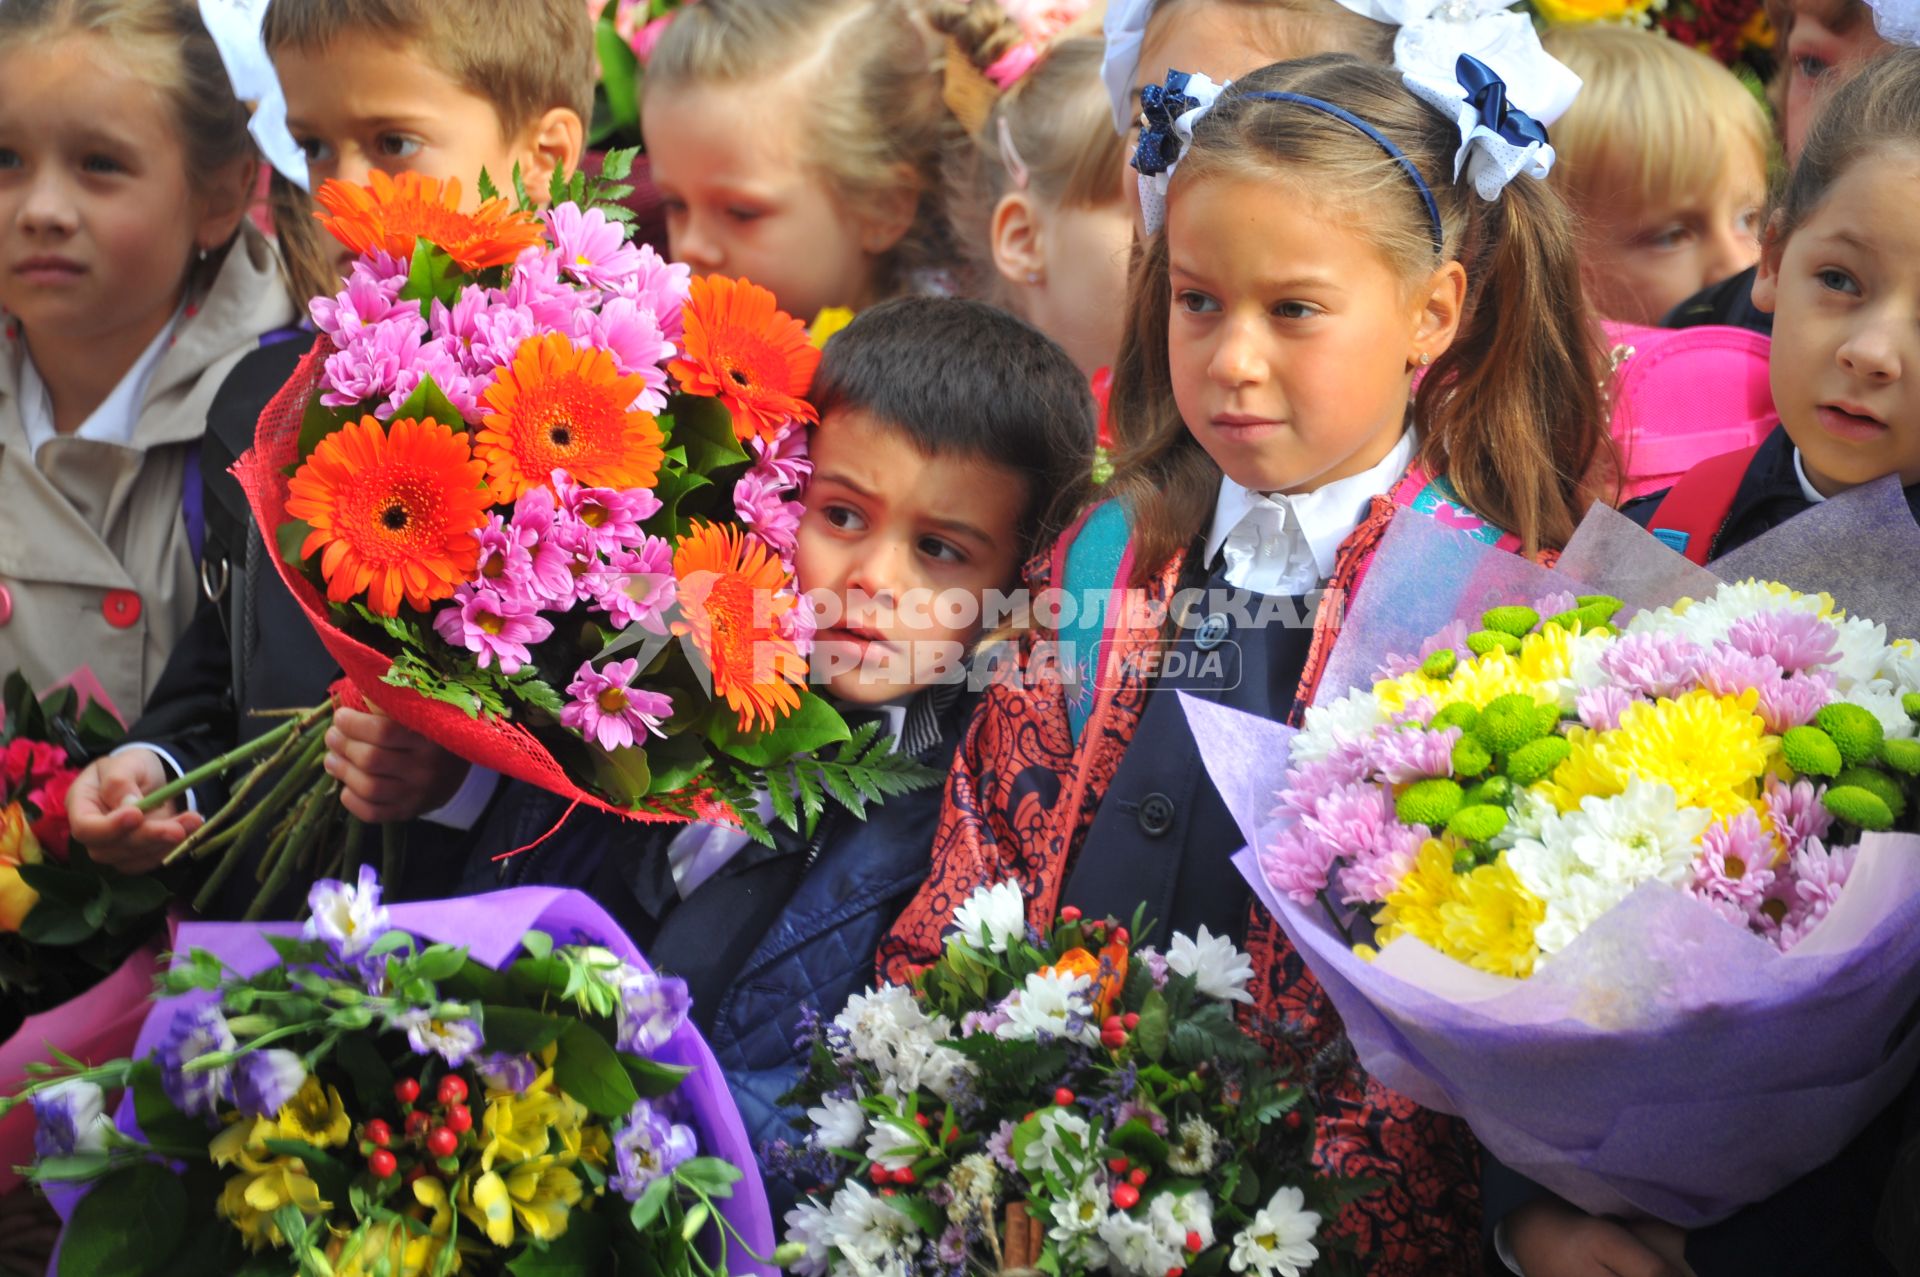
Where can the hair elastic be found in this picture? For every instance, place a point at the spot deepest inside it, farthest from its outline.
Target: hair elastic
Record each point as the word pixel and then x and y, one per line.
pixel 1379 139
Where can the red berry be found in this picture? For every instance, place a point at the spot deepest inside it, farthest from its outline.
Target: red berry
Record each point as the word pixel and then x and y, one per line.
pixel 1120 935
pixel 378 1132
pixel 1113 1022
pixel 1063 1097
pixel 1193 1242
pixel 1126 1196
pixel 1070 914
pixel 879 1174
pixel 417 1123
pixel 1118 1165
pixel 953 1133
pixel 923 1120
pixel 1113 1039
pixel 1138 1176
pixel 407 1090
pixel 382 1163
pixel 441 1142
pixel 905 1175
pixel 1293 1120
pixel 887 1192
pixel 1131 1020
pixel 1176 1272
pixel 453 1089
pixel 459 1119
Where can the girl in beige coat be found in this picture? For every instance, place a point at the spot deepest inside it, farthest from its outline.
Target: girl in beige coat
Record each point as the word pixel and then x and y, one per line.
pixel 131 284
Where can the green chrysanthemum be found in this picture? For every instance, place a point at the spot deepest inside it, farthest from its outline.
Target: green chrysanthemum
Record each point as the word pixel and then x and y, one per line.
pixel 1536 759
pixel 1856 733
pixel 1859 807
pixel 1810 751
pixel 1511 620
pixel 1430 802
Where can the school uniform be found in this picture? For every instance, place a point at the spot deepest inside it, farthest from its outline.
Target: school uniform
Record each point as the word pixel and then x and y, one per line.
pixel 99 566
pixel 1116 810
pixel 1729 302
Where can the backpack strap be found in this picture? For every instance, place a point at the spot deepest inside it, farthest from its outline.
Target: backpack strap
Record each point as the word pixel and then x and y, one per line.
pixel 1689 518
pixel 193 501
pixel 1432 495
pixel 1091 565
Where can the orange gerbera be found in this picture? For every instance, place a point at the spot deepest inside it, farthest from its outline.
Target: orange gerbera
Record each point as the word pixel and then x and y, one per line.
pixel 729 593
pixel 559 408
pixel 391 212
pixel 393 511
pixel 742 348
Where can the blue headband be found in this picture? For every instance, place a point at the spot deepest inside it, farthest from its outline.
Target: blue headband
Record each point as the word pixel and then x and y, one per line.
pixel 1379 139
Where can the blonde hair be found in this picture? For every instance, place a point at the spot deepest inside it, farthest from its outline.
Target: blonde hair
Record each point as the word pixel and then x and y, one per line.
pixel 1311 27
pixel 875 123
pixel 1064 149
pixel 526 57
pixel 1511 414
pixel 1655 120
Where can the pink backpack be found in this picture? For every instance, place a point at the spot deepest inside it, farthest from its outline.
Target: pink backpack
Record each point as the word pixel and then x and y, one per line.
pixel 1683 395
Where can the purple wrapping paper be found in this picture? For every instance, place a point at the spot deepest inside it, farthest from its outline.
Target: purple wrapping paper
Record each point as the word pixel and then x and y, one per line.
pixel 490 927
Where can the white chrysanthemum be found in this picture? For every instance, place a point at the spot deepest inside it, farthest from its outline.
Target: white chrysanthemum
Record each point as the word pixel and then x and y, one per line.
pixel 1352 718
pixel 811 1225
pixel 1708 620
pixel 1586 650
pixel 889 1029
pixel 1880 699
pixel 1902 664
pixel 1061 1143
pixel 1525 819
pixel 1135 1249
pixel 1174 1215
pixel 1278 1241
pixel 992 917
pixel 890 1143
pixel 1052 1004
pixel 1218 969
pixel 1081 1213
pixel 1195 1147
pixel 945 1072
pixel 869 1232
pixel 1864 653
pixel 838 1123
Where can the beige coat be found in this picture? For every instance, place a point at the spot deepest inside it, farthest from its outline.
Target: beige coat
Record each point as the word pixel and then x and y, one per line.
pixel 96 567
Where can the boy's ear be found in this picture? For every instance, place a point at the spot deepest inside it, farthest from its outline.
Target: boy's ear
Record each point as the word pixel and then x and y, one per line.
pixel 1766 282
pixel 1015 234
pixel 554 142
pixel 224 200
pixel 1436 319
pixel 886 221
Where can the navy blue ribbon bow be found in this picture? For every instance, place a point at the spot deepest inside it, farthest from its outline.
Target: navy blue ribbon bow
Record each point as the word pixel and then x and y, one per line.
pixel 1162 104
pixel 1487 94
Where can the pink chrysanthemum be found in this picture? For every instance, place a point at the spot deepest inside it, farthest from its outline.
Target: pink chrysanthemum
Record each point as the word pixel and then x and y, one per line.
pixel 492 626
pixel 1792 702
pixel 1814 879
pixel 537 286
pixel 1350 818
pixel 609 711
pixel 1451 637
pixel 543 528
pixel 636 587
pixel 631 334
pixel 435 359
pixel 608 517
pixel 589 247
pixel 1412 754
pixel 1309 785
pixel 1795 640
pixel 1653 665
pixel 1735 862
pixel 759 500
pixel 1798 815
pixel 661 287
pixel 798 624
pixel 506 558
pixel 785 456
pixel 1728 671
pixel 370 364
pixel 1376 870
pixel 367 299
pixel 1600 707
pixel 498 333
pixel 1297 864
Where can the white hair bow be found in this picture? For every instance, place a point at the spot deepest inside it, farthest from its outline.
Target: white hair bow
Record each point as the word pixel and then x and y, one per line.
pixel 1125 27
pixel 1167 116
pixel 1897 21
pixel 235 28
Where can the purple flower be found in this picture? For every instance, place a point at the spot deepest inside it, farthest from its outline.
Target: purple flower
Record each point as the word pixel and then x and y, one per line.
pixel 987 1021
pixel 196 1031
pixel 999 1146
pixel 347 916
pixel 1601 707
pixel 611 517
pixel 1727 671
pixel 1452 637
pixel 263 1081
pixel 785 456
pixel 509 1073
pixel 1307 785
pixel 759 498
pixel 438 360
pixel 1799 816
pixel 69 1117
pixel 1155 963
pixel 1811 887
pixel 367 299
pixel 370 364
pixel 451 1040
pixel 1735 862
pixel 661 287
pixel 1412 754
pixel 631 334
pixel 799 623
pixel 589 247
pixel 495 626
pixel 537 287
pixel 1350 817
pixel 637 586
pixel 652 1009
pixel 506 558
pixel 1653 665
pixel 1786 703
pixel 1297 863
pixel 607 709
pixel 1795 641
pixel 646 1148
pixel 546 531
pixel 1376 869
pixel 498 333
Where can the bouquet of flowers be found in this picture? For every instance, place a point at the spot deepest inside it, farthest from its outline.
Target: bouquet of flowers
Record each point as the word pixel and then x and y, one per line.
pixel 1075 1102
pixel 535 488
pixel 359 1097
pixel 1658 847
pixel 624 33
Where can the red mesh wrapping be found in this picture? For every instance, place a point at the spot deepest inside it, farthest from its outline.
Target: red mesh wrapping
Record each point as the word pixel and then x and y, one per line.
pixel 505 747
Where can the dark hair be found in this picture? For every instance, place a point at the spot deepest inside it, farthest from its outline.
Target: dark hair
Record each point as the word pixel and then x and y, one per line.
pixel 962 378
pixel 1511 414
pixel 1878 109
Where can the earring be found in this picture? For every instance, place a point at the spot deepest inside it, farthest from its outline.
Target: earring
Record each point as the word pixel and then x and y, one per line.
pixel 203 256
pixel 1033 277
pixel 1425 359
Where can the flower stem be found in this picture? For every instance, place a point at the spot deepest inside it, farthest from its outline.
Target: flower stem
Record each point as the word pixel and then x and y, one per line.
pixel 221 826
pixel 233 843
pixel 393 851
pixel 308 823
pixel 294 726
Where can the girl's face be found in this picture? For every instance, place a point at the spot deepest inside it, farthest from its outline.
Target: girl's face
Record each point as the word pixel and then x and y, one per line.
pixel 1292 339
pixel 741 200
pixel 1640 262
pixel 1828 42
pixel 1080 299
pixel 98 217
pixel 1845 297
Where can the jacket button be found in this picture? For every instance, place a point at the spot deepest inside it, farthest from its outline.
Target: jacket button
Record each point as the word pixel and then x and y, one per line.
pixel 6 605
pixel 1156 815
pixel 121 608
pixel 1213 632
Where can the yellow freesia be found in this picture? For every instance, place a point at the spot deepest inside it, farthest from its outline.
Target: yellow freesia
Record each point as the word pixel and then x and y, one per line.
pixel 315 1114
pixel 18 847
pixel 251 1198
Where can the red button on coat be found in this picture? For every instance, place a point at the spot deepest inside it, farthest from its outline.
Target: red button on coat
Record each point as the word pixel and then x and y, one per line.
pixel 121 608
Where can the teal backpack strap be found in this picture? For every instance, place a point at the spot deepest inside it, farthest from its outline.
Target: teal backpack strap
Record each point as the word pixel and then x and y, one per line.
pixel 1091 573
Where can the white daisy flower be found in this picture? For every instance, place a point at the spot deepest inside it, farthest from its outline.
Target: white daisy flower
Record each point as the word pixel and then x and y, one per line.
pixel 1278 1241
pixel 992 917
pixel 1218 969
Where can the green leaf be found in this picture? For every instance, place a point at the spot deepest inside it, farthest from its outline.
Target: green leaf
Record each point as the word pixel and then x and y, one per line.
pixel 1151 1033
pixel 704 428
pixel 437 962
pixel 1137 1140
pixel 622 774
pixel 588 1069
pixel 618 166
pixel 429 401
pixel 288 538
pixel 538 944
pixel 813 725
pixel 487 190
pixel 581 1249
pixel 652 1078
pixel 128 1225
pixel 370 1075
pixel 319 421
pixel 709 1175
pixel 646 1207
pixel 619 76
pixel 519 1030
pixel 292 950
pixel 536 691
pixel 432 276
pixel 676 763
pixel 920 1211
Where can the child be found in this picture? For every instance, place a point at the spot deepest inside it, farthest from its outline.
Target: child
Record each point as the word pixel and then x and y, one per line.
pixel 1315 255
pixel 1663 158
pixel 950 433
pixel 1840 275
pixel 797 144
pixel 1035 196
pixel 396 85
pixel 132 284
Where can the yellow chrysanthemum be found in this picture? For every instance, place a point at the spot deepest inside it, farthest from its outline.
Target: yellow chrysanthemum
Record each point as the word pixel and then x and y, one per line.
pixel 1546 655
pixel 316 1115
pixel 1712 750
pixel 1484 918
